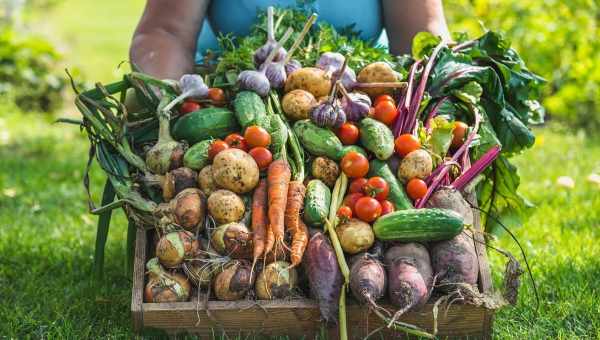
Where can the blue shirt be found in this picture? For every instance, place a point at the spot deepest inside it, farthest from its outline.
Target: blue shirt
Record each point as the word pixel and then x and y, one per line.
pixel 237 16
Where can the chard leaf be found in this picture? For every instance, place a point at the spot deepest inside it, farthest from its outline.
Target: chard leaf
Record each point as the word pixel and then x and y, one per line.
pixel 470 93
pixel 498 196
pixel 423 43
pixel 441 136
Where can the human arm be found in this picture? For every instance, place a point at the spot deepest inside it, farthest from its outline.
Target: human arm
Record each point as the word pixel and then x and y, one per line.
pixel 404 19
pixel 164 42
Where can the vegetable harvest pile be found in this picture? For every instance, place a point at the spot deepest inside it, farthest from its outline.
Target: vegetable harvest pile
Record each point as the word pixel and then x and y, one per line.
pixel 300 162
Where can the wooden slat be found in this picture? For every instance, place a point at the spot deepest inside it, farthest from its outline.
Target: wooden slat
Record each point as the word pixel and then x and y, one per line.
pixel 139 266
pixel 298 317
pixel 485 275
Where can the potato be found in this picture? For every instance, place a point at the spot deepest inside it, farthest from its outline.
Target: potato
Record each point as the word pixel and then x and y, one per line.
pixel 417 164
pixel 225 206
pixel 311 79
pixel 235 170
pixel 326 170
pixel 355 236
pixel 378 72
pixel 297 104
pixel 206 181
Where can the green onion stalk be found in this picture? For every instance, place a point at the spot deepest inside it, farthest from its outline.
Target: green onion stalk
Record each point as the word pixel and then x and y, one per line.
pixel 339 190
pixel 293 144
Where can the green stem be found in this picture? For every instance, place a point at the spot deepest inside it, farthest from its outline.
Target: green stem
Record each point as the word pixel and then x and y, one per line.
pixel 342 317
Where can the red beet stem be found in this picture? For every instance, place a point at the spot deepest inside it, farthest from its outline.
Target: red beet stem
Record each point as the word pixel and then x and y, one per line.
pixel 477 168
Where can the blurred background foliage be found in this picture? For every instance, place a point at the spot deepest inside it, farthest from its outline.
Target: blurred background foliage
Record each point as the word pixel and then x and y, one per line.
pixel 557 39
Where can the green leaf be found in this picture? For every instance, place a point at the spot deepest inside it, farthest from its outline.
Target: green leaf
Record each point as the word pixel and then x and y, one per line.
pixel 102 231
pixel 470 93
pixel 423 43
pixel 441 136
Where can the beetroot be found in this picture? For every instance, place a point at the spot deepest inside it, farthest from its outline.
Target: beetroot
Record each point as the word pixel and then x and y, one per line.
pixel 324 276
pixel 451 199
pixel 410 276
pixel 367 279
pixel 455 262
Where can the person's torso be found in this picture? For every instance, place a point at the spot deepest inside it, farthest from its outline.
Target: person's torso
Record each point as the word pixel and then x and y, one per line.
pixel 237 16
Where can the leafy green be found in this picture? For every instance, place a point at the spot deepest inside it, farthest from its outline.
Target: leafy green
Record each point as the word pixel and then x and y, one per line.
pixel 423 43
pixel 441 136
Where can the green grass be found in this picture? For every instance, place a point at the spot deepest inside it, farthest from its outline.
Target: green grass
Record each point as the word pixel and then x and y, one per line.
pixel 47 237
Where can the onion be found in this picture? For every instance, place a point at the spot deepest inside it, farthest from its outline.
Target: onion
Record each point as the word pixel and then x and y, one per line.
pixel 262 53
pixel 174 247
pixel 276 281
pixel 175 181
pixel 167 153
pixel 163 286
pixel 234 281
pixel 189 209
pixel 233 240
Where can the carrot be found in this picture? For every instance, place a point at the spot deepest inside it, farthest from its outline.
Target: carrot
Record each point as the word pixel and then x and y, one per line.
pixel 270 240
pixel 295 200
pixel 259 219
pixel 299 243
pixel 278 180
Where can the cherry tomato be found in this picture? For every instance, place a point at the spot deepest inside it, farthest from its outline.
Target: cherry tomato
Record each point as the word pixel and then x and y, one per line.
pixel 367 209
pixel 262 156
pixel 385 112
pixel 384 98
pixel 237 141
pixel 406 144
pixel 216 147
pixel 377 187
pixel 348 134
pixel 354 164
pixel 387 207
pixel 189 106
pixel 358 185
pixel 344 213
pixel 257 136
pixel 458 134
pixel 216 95
pixel 350 200
pixel 416 188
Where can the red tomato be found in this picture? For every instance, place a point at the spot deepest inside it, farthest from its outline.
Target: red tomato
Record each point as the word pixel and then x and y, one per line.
pixel 262 156
pixel 382 98
pixel 257 136
pixel 348 133
pixel 367 209
pixel 377 187
pixel 458 134
pixel 406 144
pixel 216 95
pixel 344 213
pixel 387 207
pixel 354 164
pixel 350 200
pixel 358 185
pixel 416 188
pixel 385 112
pixel 189 106
pixel 237 141
pixel 216 147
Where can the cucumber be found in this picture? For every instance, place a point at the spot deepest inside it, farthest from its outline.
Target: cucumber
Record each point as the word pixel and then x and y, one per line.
pixel 250 110
pixel 196 157
pixel 318 141
pixel 377 138
pixel 279 135
pixel 316 203
pixel 354 148
pixel 397 194
pixel 418 225
pixel 204 124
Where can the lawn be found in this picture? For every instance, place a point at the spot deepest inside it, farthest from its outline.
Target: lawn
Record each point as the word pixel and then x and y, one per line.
pixel 47 237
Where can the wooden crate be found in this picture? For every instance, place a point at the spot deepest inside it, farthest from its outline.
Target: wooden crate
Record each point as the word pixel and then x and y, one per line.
pixel 298 317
